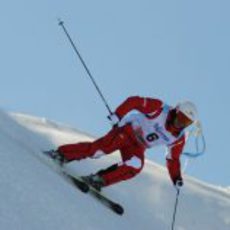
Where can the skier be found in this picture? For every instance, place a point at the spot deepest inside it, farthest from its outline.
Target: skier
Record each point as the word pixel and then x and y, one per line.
pixel 138 124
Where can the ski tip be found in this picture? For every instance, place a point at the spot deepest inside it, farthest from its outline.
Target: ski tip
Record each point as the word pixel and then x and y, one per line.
pixel 118 209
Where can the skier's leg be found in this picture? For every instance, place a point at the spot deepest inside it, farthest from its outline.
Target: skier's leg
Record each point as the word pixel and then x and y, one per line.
pixel 112 141
pixel 132 164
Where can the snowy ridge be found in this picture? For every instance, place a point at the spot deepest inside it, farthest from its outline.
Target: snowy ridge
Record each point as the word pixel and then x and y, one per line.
pixel 34 197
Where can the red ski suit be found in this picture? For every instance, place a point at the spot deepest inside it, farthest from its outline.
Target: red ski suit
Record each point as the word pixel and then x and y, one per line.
pixel 125 139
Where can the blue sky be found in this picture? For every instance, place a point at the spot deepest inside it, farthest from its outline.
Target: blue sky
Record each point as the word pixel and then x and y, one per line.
pixel 172 50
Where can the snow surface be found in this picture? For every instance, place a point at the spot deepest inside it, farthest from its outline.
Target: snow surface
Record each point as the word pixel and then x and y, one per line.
pixel 34 197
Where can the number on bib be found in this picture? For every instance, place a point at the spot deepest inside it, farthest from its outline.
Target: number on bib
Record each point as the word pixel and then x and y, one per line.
pixel 152 137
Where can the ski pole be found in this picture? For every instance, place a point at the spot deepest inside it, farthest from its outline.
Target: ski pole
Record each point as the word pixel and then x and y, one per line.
pixel 175 208
pixel 61 23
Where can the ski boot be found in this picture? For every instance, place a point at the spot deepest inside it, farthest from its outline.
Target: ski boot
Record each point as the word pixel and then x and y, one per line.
pixel 95 181
pixel 56 156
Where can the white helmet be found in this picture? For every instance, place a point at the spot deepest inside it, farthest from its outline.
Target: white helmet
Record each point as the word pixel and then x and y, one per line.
pixel 189 109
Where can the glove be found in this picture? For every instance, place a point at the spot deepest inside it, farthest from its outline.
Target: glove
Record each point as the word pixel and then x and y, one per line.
pixel 114 119
pixel 178 183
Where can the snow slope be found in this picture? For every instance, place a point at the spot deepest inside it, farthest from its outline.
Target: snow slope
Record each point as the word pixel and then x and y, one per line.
pixel 33 197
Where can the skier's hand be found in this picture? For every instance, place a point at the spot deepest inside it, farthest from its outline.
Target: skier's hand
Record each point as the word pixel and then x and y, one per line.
pixel 114 119
pixel 178 183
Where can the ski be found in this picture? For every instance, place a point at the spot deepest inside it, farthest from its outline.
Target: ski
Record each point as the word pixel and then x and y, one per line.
pixel 84 187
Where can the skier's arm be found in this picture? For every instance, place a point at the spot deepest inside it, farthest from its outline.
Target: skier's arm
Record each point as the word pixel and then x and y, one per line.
pixel 173 160
pixel 144 105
